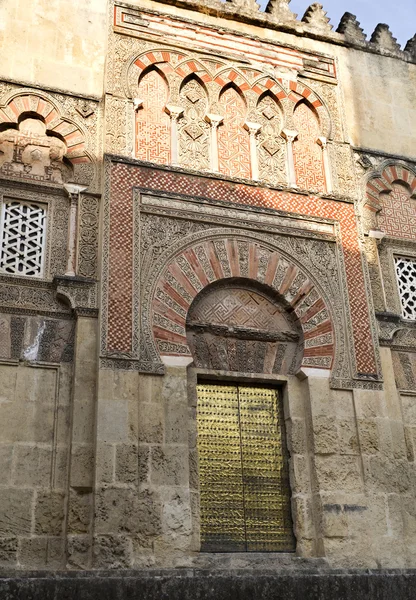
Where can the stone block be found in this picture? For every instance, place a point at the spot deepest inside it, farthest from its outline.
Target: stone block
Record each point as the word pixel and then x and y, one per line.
pixel 112 552
pixel 105 463
pixel 348 436
pixel 390 476
pixel 410 437
pixel 33 552
pixel 121 510
pixel 409 409
pixel 79 512
pixel 15 511
pixel 303 520
pixel 32 466
pixel 169 465
pixel 8 376
pixel 193 469
pixel 6 451
pixel 49 513
pixel 126 385
pixel 300 478
pixel 321 397
pixel 112 421
pixel 105 384
pixel 369 436
pixel 127 463
pixel 144 463
pixel 354 553
pixel 339 473
pixel 36 384
pixel 17 422
pixel 325 435
pixel 343 402
pixel 8 551
pixel 334 521
pixel 151 423
pixel 174 385
pixel 176 423
pixel 79 552
pixel 176 512
pixel 398 440
pixel 369 404
pixel 44 422
pixel 296 436
pixel 82 466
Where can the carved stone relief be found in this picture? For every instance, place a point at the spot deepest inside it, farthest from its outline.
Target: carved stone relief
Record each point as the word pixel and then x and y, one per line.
pixel 30 153
pixel 238 327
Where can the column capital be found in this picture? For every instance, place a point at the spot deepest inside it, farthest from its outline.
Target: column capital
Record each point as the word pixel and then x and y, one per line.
pixel 290 135
pixel 213 119
pixel 252 128
pixel 137 104
pixel 322 141
pixel 174 111
pixel 74 190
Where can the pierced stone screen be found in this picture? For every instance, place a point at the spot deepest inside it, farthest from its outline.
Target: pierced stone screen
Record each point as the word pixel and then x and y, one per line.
pixel 23 234
pixel 406 279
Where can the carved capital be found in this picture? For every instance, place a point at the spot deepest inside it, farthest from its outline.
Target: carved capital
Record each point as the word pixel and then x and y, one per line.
pixel 73 190
pixel 174 111
pixel 214 120
pixel 80 293
pixel 252 128
pixel 137 104
pixel 290 135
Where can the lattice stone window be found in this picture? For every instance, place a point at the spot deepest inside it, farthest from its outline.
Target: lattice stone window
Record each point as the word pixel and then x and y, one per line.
pixel 23 234
pixel 406 279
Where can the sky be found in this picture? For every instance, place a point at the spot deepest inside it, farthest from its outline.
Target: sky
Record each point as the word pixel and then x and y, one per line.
pixel 400 15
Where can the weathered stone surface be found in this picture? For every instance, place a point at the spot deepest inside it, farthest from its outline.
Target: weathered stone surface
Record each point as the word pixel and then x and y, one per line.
pixel 49 513
pixel 121 510
pixel 80 512
pixel 339 473
pixel 127 463
pixel 169 465
pixel 15 511
pixel 151 423
pixel 8 551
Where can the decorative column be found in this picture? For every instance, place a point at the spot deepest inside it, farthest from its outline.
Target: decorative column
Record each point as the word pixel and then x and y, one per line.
pixel 253 129
pixel 323 142
pixel 174 112
pixel 290 136
pixel 74 192
pixel 215 121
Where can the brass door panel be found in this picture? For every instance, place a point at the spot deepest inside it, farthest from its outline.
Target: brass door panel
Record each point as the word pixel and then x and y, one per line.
pixel 244 481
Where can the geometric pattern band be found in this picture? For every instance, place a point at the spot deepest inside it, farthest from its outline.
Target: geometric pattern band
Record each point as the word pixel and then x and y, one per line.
pixel 23 236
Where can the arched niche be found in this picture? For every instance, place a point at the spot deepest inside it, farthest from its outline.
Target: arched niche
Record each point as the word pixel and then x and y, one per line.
pixel 239 325
pixel 233 139
pixel 307 153
pixel 152 121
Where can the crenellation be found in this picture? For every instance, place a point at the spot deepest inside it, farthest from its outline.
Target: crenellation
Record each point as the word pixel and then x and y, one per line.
pixel 315 17
pixel 383 38
pixel 350 27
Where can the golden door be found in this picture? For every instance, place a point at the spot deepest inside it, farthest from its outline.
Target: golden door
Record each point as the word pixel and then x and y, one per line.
pixel 243 470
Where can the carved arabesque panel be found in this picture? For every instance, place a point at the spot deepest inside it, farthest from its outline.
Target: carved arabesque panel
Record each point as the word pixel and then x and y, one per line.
pixel 89 211
pixel 233 140
pixel 307 154
pixel 193 129
pixel 270 145
pixel 152 122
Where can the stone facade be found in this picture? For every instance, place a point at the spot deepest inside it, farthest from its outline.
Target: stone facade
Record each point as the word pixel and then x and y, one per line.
pixel 197 191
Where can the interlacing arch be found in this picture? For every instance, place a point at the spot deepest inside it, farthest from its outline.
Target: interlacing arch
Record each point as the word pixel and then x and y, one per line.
pixel 382 182
pixel 62 127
